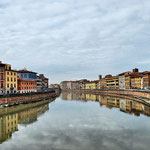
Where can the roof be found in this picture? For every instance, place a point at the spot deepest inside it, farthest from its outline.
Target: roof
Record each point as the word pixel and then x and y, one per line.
pixel 25 71
pixel 96 81
pixel 113 77
pixel 146 73
pixel 125 73
pixel 11 70
pixel 3 64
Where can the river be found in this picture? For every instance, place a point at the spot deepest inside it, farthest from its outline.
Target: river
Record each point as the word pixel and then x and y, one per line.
pixel 76 122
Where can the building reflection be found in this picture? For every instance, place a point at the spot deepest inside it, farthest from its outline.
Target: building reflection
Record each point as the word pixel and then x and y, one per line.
pixel 9 123
pixel 125 105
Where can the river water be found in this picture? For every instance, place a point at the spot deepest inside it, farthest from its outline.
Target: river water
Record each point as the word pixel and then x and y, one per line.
pixel 76 122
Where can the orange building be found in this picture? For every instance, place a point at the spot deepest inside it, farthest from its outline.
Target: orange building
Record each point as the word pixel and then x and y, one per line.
pixel 26 86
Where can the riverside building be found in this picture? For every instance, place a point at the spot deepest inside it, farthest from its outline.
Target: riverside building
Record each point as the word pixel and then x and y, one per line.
pixel 42 83
pixel 2 78
pixel 27 81
pixel 10 80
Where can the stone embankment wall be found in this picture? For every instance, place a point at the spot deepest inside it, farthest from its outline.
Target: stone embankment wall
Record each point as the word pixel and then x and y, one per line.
pixel 23 99
pixel 135 93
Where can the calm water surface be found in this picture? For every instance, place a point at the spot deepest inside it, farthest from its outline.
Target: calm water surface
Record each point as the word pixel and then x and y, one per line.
pixel 76 122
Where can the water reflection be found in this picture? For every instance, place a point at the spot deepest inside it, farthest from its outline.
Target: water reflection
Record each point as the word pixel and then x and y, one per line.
pixel 24 115
pixel 78 122
pixel 125 105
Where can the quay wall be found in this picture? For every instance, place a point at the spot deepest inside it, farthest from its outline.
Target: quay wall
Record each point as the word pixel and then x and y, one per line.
pixel 25 98
pixel 132 93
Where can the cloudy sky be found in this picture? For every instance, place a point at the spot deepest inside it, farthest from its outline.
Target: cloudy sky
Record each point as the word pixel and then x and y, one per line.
pixel 73 39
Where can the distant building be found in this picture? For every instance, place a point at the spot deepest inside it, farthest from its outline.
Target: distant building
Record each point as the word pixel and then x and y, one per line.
pixel 145 81
pixel 92 85
pixel 55 86
pixel 130 80
pixel 122 80
pixel 75 85
pixel 112 82
pixel 63 85
pixel 103 81
pixel 42 82
pixel 27 81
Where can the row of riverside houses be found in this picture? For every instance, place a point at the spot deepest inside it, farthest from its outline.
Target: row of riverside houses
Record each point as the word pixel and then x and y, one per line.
pixel 20 81
pixel 125 80
pixel 80 84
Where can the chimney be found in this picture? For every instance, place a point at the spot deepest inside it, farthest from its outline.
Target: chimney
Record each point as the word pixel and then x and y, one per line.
pixel 135 70
pixel 0 62
pixel 100 77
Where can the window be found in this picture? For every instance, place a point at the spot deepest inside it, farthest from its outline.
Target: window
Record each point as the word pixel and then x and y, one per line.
pixel 2 69
pixel 7 73
pixel 15 85
pixel 25 75
pixel 11 73
pixel 11 85
pixel 2 76
pixel 14 79
pixel 2 84
pixel 21 75
pixel 7 85
pixel 7 78
pixel 11 79
pixel 14 74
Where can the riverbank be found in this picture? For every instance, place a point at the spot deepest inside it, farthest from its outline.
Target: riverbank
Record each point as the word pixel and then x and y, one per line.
pixel 134 94
pixel 17 99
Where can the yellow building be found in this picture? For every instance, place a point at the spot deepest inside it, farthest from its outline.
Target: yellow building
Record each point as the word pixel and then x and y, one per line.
pixel 56 86
pixel 92 85
pixel 127 82
pixel 10 80
pixel 136 82
pixel 113 82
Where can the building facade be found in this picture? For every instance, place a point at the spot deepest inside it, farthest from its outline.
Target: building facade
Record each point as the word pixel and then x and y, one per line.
pixel 92 85
pixel 122 79
pixel 2 78
pixel 27 81
pixel 42 83
pixel 10 80
pixel 112 82
pixel 145 81
pixel 103 83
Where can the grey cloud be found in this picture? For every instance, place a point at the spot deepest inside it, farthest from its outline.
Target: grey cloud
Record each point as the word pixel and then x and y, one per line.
pixel 88 35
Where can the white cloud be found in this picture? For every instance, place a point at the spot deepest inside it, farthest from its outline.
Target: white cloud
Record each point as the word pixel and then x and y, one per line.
pixel 70 39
